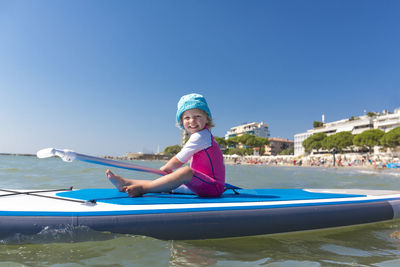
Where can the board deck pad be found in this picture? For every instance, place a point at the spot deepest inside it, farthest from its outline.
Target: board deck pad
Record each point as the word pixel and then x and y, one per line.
pixel 113 196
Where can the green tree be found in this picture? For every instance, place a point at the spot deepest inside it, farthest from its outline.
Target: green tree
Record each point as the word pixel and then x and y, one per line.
pixel 288 151
pixel 391 139
pixel 232 142
pixel 237 151
pixel 314 142
pixel 317 124
pixel 368 138
pixel 338 141
pixel 221 141
pixel 262 141
pixel 248 142
pixel 352 118
pixel 172 150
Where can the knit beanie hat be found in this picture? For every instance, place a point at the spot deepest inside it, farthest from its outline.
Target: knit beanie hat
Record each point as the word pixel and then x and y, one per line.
pixel 191 101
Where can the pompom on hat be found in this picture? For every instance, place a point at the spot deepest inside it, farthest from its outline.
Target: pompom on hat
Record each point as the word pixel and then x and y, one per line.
pixel 191 101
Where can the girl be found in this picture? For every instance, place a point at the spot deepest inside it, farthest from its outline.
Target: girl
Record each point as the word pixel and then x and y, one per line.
pixel 206 174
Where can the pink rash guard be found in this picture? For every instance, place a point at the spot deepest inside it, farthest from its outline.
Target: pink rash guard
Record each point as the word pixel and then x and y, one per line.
pixel 207 164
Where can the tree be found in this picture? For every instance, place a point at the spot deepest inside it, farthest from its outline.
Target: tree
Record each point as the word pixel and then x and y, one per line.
pixel 338 141
pixel 248 141
pixel 352 118
pixel 221 141
pixel 172 150
pixel 253 141
pixel 391 139
pixel 232 142
pixel 317 124
pixel 288 151
pixel 237 151
pixel 314 142
pixel 368 138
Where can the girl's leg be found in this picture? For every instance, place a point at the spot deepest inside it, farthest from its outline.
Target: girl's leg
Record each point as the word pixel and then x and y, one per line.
pixel 163 184
pixel 118 181
pixel 206 186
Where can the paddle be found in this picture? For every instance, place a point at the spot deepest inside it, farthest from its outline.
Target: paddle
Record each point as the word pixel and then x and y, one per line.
pixel 69 156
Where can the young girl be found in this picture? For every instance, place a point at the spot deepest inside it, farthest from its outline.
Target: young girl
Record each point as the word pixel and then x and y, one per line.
pixel 206 174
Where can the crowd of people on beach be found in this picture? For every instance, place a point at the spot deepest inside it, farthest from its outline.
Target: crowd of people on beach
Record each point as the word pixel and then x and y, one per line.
pixel 321 160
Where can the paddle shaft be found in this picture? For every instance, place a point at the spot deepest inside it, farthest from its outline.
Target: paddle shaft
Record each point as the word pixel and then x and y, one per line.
pixel 118 164
pixel 69 156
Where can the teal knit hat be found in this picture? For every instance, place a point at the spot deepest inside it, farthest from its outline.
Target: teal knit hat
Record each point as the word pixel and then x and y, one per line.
pixel 191 101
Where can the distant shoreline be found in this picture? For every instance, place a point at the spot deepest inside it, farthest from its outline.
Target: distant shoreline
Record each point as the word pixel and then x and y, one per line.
pixel 140 157
pixel 358 161
pixel 18 154
pixel 276 161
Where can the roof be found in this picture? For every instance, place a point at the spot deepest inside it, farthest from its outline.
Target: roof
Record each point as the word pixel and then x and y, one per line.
pixel 277 139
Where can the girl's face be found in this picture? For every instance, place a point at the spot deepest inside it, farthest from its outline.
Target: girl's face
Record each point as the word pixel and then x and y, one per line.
pixel 194 120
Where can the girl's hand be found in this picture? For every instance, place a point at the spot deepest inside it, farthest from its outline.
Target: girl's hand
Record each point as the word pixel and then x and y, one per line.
pixel 171 165
pixel 165 169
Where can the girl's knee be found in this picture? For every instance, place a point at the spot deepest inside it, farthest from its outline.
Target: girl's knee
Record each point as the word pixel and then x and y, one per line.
pixel 186 173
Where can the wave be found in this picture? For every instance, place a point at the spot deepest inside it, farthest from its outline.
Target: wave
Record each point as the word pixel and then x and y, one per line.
pixel 59 234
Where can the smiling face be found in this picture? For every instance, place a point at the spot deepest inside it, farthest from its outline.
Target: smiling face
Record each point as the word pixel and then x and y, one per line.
pixel 194 120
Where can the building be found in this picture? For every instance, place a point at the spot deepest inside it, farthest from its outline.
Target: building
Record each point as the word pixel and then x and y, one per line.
pixel 298 142
pixel 254 128
pixel 387 121
pixel 384 121
pixel 277 145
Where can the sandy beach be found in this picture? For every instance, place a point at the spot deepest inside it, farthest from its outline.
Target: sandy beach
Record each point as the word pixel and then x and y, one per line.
pixel 350 160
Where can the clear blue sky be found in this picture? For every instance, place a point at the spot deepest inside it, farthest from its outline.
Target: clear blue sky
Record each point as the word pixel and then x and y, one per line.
pixel 104 77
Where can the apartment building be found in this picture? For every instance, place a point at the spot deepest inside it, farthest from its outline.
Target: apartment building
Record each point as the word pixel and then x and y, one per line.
pixel 277 145
pixel 384 121
pixel 254 128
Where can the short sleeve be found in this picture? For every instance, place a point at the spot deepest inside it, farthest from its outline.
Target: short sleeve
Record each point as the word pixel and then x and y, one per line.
pixel 197 142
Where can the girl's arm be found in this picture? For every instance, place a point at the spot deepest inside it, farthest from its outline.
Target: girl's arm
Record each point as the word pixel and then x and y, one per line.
pixel 171 165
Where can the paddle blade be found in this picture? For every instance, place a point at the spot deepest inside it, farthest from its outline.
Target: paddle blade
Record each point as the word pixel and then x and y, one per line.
pixel 65 154
pixel 46 153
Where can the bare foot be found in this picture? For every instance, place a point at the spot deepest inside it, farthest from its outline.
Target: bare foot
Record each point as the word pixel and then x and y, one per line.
pixel 134 190
pixel 118 181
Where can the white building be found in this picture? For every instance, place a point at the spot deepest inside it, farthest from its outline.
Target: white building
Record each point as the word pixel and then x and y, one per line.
pixel 385 121
pixel 298 142
pixel 254 128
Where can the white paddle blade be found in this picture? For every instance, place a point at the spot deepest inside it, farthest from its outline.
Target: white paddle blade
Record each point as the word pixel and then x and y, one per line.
pixel 65 154
pixel 46 153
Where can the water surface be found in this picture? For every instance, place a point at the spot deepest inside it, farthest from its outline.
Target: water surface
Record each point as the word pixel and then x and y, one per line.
pixel 369 245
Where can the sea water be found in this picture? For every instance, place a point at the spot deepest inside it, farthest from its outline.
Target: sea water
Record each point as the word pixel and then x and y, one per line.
pixel 368 245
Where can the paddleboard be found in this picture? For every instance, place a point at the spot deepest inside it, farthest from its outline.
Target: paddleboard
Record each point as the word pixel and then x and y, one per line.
pixel 393 165
pixel 238 212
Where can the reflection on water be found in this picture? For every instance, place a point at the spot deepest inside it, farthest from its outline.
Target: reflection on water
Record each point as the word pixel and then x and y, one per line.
pixel 357 245
pixel 59 234
pixel 368 245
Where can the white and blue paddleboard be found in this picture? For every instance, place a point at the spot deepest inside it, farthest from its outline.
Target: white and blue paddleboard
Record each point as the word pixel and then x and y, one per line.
pixel 239 212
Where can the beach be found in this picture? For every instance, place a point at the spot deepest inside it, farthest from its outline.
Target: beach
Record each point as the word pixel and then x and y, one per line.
pixel 353 160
